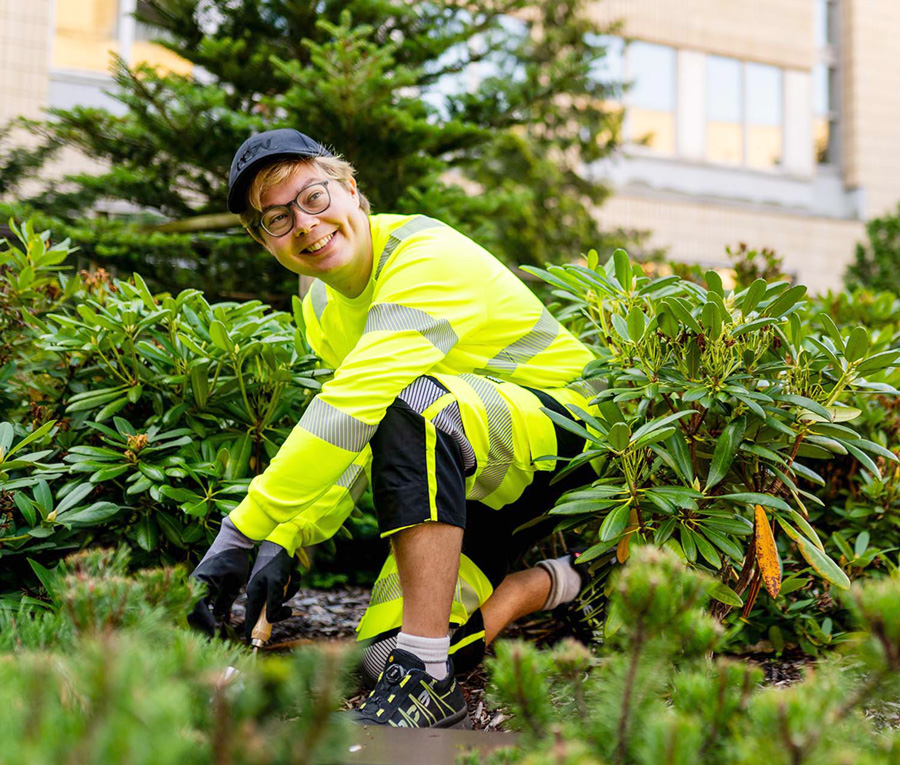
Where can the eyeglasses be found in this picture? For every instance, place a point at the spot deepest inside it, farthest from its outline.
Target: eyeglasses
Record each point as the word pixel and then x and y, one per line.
pixel 279 220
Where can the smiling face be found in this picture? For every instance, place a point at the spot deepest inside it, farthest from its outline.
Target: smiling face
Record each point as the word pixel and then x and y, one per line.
pixel 334 245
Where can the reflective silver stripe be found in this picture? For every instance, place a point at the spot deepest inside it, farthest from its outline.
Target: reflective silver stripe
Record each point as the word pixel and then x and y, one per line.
pixel 393 317
pixel 334 426
pixel 466 595
pixel 588 388
pixel 417 224
pixel 449 421
pixel 386 589
pixel 375 657
pixel 354 480
pixel 500 437
pixel 521 351
pixel 318 297
pixel 420 394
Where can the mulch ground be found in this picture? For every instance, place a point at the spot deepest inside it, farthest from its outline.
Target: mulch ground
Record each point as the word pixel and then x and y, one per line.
pixel 332 616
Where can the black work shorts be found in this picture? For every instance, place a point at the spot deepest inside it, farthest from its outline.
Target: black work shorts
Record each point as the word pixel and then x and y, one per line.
pixel 419 476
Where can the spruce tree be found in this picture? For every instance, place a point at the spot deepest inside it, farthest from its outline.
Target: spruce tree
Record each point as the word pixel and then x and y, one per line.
pixel 480 113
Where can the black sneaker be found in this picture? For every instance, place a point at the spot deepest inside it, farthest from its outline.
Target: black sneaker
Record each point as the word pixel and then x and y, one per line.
pixel 585 616
pixel 406 696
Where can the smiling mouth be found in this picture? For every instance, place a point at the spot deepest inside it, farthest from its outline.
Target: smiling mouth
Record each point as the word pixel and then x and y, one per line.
pixel 316 246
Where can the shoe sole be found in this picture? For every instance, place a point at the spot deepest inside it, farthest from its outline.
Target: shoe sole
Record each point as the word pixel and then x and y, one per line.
pixel 459 721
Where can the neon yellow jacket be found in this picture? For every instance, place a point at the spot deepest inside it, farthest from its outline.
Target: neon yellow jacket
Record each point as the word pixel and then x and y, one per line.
pixel 436 303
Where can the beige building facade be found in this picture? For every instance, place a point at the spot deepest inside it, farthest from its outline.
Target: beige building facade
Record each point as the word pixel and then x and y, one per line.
pixel 767 122
pixel 770 122
pixel 59 53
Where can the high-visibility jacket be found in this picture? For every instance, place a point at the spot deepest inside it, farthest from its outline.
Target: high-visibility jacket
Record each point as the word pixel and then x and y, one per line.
pixel 439 304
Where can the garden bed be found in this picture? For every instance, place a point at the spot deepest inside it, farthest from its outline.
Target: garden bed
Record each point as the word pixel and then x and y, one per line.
pixel 332 616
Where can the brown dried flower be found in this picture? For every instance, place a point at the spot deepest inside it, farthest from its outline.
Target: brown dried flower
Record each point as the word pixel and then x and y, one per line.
pixel 138 442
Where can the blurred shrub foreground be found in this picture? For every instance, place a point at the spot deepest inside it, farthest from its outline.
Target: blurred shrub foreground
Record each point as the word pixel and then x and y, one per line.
pixel 752 434
pixel 112 674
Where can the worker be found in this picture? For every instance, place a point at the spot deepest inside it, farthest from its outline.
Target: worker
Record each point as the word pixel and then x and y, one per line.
pixel 444 365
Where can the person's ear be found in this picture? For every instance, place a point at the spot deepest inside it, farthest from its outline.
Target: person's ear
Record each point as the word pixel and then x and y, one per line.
pixel 350 185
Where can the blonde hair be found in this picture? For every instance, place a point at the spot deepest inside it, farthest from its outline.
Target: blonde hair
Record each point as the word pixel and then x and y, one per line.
pixel 336 168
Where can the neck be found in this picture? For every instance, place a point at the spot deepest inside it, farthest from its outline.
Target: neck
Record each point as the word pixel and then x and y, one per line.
pixel 352 284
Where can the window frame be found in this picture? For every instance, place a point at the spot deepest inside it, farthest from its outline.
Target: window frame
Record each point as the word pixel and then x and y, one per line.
pixel 827 57
pixel 780 166
pixel 630 140
pixel 742 119
pixel 627 127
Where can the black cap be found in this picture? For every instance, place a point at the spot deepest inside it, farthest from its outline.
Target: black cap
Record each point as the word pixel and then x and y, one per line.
pixel 261 149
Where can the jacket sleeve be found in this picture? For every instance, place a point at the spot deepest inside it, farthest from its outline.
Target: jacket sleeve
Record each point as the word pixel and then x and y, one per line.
pixel 338 502
pixel 424 302
pixel 324 517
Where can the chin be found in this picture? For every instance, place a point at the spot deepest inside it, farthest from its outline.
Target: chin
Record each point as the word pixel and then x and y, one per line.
pixel 294 268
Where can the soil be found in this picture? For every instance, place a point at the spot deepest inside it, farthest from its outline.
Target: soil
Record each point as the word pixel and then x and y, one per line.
pixel 781 671
pixel 332 616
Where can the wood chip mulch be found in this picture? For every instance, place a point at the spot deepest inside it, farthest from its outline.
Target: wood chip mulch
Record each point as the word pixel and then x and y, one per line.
pixel 332 616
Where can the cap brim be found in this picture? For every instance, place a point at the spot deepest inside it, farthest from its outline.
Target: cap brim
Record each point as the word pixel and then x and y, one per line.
pixel 237 195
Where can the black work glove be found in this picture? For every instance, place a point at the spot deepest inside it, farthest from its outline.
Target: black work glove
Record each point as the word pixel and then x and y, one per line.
pixel 224 570
pixel 273 582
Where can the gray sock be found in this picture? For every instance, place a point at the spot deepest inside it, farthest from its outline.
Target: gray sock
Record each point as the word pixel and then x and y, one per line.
pixel 565 582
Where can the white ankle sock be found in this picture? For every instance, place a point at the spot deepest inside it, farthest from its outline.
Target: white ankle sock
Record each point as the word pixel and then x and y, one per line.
pixel 565 583
pixel 433 651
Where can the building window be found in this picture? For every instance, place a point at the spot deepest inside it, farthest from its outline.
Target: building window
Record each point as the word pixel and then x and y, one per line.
pixel 609 69
pixel 650 100
pixel 765 118
pixel 826 83
pixel 744 113
pixel 724 111
pixel 85 32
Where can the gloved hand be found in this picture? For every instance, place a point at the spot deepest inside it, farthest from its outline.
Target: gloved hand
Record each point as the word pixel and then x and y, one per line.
pixel 274 581
pixel 224 570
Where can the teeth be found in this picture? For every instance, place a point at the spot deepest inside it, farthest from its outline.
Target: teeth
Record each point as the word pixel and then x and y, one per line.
pixel 320 244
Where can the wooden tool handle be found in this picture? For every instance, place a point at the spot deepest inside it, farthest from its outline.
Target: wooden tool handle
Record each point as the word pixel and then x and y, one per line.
pixel 262 631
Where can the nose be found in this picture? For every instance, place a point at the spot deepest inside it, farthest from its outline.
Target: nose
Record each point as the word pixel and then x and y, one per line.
pixel 303 221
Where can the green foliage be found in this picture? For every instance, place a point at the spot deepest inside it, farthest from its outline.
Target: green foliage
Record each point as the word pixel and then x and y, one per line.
pixel 875 265
pixel 654 697
pixel 389 84
pixel 858 520
pixel 750 265
pixel 223 265
pixel 131 416
pixel 112 674
pixel 715 403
